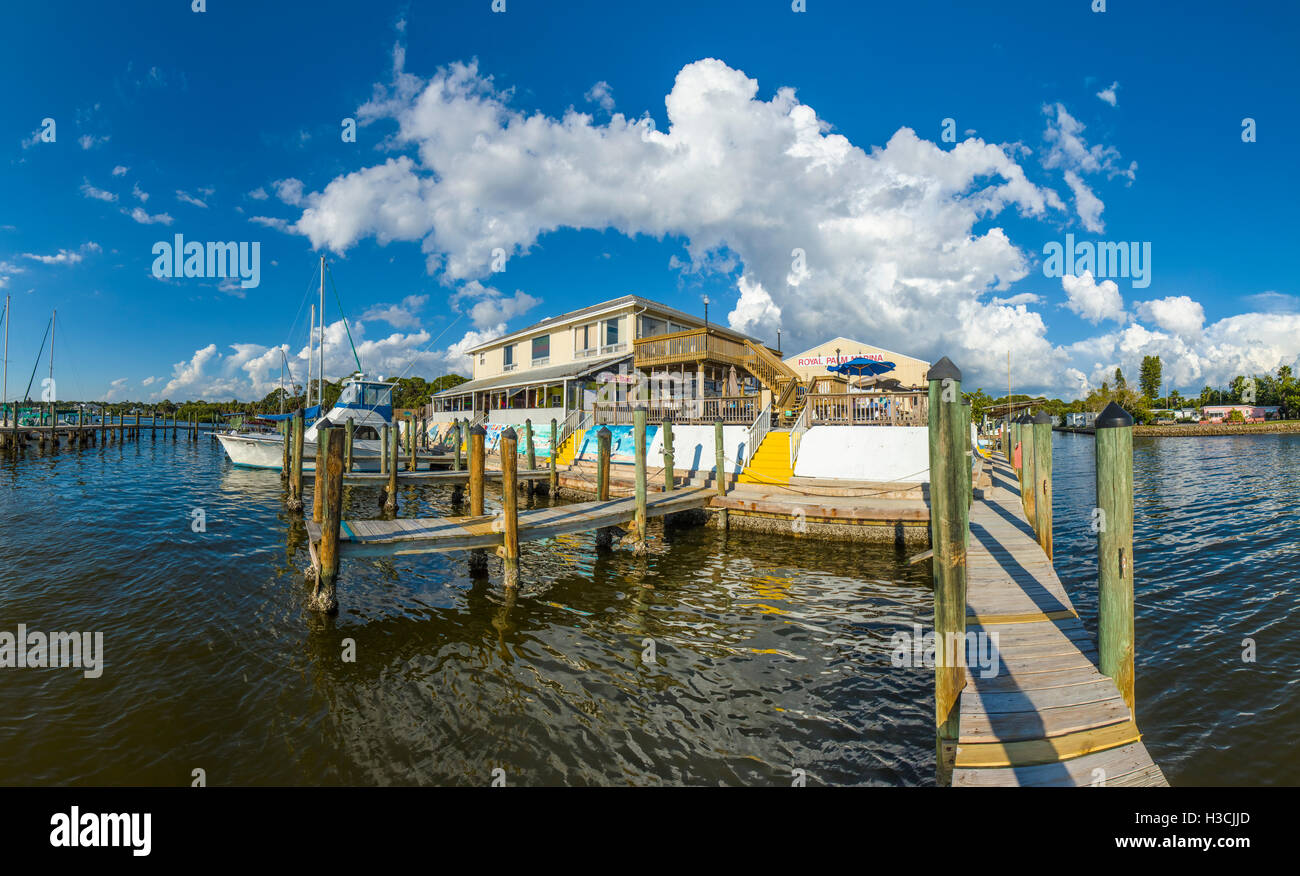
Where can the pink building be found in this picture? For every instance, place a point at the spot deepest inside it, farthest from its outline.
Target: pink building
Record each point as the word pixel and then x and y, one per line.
pixel 1252 413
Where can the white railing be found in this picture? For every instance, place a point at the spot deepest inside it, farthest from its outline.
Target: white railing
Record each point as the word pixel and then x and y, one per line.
pixel 574 421
pixel 757 432
pixel 801 424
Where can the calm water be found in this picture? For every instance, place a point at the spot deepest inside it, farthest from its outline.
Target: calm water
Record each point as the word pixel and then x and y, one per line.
pixel 771 654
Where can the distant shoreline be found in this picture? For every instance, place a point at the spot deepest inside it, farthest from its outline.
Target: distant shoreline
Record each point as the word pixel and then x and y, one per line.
pixel 1196 430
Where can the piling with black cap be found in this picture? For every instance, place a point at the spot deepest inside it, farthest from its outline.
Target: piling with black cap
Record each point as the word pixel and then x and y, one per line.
pixel 1114 520
pixel 949 528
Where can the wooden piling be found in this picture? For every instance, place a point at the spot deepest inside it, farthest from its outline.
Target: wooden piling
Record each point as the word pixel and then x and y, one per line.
pixel 554 483
pixel 329 482
pixel 670 472
pixel 949 528
pixel 383 450
pixel 531 452
pixel 1115 638
pixel 1027 475
pixel 603 443
pixel 393 451
pixel 720 470
pixel 318 481
pixel 509 449
pixel 639 440
pixel 1043 479
pixel 285 430
pixel 477 439
pixel 968 454
pixel 458 433
pixel 295 470
pixel 411 464
pixel 348 437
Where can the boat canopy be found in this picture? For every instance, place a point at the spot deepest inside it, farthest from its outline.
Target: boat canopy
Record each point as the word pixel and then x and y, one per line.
pixel 310 415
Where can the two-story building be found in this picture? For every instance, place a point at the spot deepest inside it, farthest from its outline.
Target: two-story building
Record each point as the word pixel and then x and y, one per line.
pixel 602 358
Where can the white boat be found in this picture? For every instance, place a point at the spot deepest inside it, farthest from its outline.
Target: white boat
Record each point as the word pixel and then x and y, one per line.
pixel 369 404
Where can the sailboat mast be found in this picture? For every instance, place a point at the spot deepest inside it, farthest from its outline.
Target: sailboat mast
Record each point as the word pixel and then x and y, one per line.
pixel 311 339
pixel 320 394
pixel 54 321
pixel 4 396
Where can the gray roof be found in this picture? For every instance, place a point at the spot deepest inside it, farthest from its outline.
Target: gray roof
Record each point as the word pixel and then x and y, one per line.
pixel 604 305
pixel 537 375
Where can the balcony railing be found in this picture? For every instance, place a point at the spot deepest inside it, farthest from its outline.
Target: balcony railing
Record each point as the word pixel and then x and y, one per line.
pixel 868 408
pixel 732 410
pixel 696 345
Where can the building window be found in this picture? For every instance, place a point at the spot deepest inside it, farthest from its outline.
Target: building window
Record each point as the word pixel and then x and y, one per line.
pixel 651 326
pixel 541 350
pixel 509 354
pixel 586 340
pixel 482 358
pixel 612 344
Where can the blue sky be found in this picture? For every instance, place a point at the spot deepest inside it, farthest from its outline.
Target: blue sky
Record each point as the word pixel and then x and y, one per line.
pixel 225 126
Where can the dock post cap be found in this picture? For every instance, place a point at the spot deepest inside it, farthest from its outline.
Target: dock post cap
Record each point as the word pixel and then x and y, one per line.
pixel 604 430
pixel 943 370
pixel 1113 416
pixel 509 432
pixel 477 429
pixel 1042 418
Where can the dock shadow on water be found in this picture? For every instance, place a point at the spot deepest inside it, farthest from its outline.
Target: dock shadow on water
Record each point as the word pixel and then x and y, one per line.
pixel 732 659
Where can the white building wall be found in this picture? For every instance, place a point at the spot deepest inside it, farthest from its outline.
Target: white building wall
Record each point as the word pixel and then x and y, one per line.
pixel 865 453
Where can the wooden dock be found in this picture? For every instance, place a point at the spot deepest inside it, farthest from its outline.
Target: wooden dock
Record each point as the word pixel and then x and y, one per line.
pixel 1046 715
pixel 427 535
pixel 377 478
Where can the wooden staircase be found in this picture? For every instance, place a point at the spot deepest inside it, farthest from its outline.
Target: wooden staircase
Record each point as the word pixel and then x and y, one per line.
pixel 778 377
pixel 771 463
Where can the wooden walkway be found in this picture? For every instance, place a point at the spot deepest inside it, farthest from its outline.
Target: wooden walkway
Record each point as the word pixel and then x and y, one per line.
pixel 426 535
pixel 1046 715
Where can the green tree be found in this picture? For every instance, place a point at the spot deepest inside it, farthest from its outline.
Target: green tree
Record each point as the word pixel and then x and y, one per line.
pixel 1148 378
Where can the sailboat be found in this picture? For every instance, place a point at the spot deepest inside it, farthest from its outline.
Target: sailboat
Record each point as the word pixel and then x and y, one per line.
pixel 368 403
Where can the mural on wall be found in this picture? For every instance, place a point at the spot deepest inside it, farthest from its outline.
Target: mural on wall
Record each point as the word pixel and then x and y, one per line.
pixel 492 437
pixel 622 444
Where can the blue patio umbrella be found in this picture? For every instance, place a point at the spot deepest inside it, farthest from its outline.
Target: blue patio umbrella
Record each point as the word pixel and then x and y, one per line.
pixel 860 366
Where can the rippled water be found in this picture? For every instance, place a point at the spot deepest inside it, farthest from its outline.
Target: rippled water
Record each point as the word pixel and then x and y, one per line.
pixel 1217 561
pixel 772 654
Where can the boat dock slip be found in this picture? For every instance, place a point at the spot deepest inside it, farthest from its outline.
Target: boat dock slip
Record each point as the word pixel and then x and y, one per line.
pixel 426 535
pixel 1046 715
